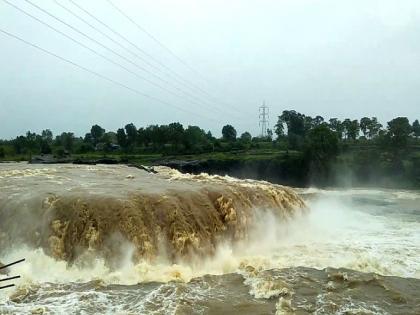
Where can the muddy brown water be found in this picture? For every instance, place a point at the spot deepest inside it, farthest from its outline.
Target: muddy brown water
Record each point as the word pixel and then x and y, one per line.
pixel 118 240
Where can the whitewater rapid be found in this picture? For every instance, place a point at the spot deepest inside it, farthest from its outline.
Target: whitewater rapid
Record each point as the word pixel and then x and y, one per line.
pixel 330 258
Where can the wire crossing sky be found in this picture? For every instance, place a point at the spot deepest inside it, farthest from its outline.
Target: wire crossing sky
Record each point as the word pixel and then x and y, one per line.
pixel 105 47
pixel 96 73
pixel 172 73
pixel 163 46
pixel 213 61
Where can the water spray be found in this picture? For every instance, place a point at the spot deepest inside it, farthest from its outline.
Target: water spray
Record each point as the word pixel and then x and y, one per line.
pixel 10 278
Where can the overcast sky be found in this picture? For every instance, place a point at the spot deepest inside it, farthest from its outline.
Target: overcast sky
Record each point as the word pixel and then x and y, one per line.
pixel 332 58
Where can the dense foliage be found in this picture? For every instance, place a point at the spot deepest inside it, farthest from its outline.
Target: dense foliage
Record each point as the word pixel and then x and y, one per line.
pixel 318 145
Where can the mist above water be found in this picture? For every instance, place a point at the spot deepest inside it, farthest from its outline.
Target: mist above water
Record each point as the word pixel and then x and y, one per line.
pixel 124 219
pixel 362 230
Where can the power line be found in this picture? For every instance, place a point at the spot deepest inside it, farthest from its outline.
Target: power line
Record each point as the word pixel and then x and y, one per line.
pixel 107 48
pixel 103 34
pixel 130 42
pixel 154 38
pixel 99 75
pixel 173 74
pixel 124 38
pixel 86 47
pixel 197 99
pixel 92 50
pixel 164 47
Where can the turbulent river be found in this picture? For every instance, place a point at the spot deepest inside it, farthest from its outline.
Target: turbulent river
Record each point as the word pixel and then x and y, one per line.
pixel 121 240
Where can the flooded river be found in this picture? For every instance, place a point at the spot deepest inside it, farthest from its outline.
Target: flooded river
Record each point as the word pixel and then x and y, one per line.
pixel 121 240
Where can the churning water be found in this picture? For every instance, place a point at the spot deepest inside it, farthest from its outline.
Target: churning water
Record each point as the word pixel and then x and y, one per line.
pixel 119 240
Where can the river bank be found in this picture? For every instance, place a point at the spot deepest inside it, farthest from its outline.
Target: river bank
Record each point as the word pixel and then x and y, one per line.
pixel 355 168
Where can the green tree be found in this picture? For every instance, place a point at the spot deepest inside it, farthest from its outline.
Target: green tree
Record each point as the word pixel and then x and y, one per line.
pixel 46 141
pixel 107 140
pixel 97 133
pixel 32 142
pixel 321 150
pixel 318 120
pixel 141 137
pixel 270 134
pixel 194 138
pixel 297 125
pixel 121 138
pixel 19 144
pixel 396 142
pixel 374 128
pixel 295 122
pixel 47 135
pixel 162 135
pixel 229 133
pixel 45 147
pixel 399 130
pixel 246 137
pixel 416 128
pixel 352 128
pixel 88 139
pixel 176 133
pixel 370 127
pixel 67 141
pixel 310 122
pixel 347 127
pixel 279 128
pixel 365 123
pixel 131 132
pixel 153 135
pixel 337 126
pixel 210 136
pixel 2 153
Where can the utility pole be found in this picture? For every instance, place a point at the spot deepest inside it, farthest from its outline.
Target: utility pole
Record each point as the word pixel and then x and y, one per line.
pixel 264 117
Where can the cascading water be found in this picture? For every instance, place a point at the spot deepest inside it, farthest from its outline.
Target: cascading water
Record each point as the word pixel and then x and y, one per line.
pixel 116 239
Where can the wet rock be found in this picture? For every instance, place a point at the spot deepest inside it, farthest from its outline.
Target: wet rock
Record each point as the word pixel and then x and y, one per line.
pixel 49 159
pixel 96 161
pixel 148 169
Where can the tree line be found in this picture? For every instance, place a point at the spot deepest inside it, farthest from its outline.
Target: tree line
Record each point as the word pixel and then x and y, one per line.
pixel 293 131
pixel 378 149
pixel 168 139
pixel 295 126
